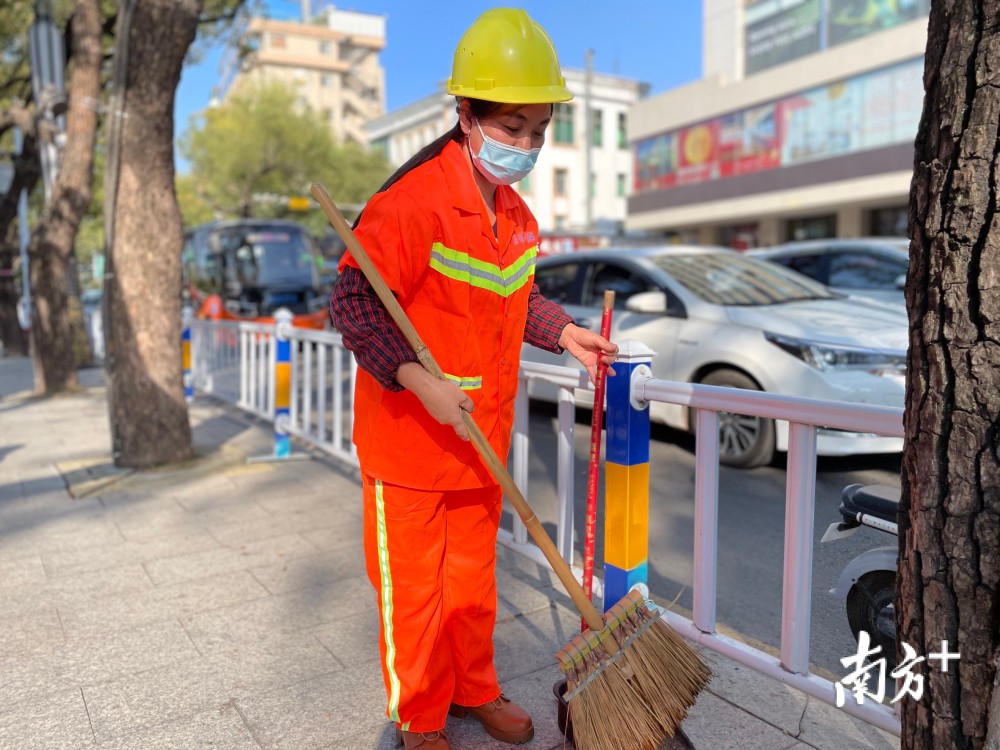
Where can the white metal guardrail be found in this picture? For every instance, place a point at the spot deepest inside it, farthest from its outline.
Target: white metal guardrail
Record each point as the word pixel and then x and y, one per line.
pixel 322 392
pixel 567 380
pixel 804 417
pixel 235 362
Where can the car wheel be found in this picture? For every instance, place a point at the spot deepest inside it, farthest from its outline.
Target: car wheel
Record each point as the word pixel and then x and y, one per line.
pixel 871 606
pixel 745 441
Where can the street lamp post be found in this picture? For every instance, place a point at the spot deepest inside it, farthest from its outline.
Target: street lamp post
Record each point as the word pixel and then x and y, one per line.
pixel 47 61
pixel 24 237
pixel 48 86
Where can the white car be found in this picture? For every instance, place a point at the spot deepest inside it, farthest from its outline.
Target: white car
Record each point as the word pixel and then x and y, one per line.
pixel 718 317
pixel 872 267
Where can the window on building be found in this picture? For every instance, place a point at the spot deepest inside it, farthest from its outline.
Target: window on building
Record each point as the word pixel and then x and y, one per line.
pixel 563 119
pixel 560 222
pixel 328 114
pixel 740 236
pixel 622 184
pixel 622 131
pixel 812 228
pixel 593 184
pixel 597 125
pixel 560 180
pixel 325 80
pixel 524 186
pixel 278 40
pixel 357 56
pixel 325 48
pixel 889 222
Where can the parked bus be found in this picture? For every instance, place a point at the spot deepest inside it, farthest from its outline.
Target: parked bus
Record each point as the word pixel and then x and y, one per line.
pixel 253 267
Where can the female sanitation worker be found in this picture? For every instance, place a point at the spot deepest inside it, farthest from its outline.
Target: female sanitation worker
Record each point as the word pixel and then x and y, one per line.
pixel 457 246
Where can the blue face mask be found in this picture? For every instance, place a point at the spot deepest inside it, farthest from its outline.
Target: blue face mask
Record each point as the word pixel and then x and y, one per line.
pixel 502 164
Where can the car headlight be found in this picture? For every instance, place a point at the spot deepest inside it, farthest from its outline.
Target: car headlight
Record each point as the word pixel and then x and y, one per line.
pixel 830 357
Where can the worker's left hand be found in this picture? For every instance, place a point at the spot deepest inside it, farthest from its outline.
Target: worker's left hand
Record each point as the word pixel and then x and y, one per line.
pixel 588 347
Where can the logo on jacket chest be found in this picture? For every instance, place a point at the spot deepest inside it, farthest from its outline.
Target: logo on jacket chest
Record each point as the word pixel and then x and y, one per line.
pixel 523 238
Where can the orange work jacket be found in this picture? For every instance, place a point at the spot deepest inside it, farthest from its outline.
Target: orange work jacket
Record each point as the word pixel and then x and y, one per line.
pixel 466 292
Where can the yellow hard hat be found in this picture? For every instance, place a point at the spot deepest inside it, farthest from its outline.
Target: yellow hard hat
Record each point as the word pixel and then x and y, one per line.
pixel 506 57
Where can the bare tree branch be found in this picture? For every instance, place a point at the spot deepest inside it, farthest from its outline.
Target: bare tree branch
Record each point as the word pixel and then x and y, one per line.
pixel 18 116
pixel 108 27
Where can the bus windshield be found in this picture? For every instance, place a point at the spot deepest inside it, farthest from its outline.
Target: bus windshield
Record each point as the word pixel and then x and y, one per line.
pixel 267 258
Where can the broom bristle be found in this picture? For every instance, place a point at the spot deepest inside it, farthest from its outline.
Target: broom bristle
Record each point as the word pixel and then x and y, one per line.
pixel 637 698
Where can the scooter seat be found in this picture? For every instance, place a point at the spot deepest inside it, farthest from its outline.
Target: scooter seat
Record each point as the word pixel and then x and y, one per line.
pixel 876 500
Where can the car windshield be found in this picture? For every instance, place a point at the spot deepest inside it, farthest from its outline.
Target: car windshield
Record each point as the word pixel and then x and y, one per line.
pixel 267 257
pixel 724 279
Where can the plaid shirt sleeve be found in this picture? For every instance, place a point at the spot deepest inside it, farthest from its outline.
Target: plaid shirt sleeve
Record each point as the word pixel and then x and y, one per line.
pixel 546 321
pixel 368 331
pixel 380 347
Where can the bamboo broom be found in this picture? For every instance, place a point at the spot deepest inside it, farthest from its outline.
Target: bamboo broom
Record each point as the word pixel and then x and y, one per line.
pixel 630 678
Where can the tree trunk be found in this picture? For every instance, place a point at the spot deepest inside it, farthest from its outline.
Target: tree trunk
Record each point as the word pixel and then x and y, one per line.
pixel 146 400
pixel 949 566
pixel 53 240
pixel 12 339
pixel 26 175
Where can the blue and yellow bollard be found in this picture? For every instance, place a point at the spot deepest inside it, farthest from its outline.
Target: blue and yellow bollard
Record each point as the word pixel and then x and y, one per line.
pixel 186 316
pixel 626 478
pixel 282 393
pixel 282 383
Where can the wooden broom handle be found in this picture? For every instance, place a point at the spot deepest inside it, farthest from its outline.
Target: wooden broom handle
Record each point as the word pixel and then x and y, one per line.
pixel 489 456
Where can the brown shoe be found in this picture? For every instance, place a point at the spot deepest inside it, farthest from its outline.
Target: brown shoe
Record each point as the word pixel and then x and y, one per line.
pixel 423 740
pixel 502 719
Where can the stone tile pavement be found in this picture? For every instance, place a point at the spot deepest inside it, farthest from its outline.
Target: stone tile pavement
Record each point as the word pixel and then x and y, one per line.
pixel 223 604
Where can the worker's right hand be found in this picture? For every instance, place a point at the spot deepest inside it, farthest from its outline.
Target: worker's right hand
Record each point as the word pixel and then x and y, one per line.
pixel 443 400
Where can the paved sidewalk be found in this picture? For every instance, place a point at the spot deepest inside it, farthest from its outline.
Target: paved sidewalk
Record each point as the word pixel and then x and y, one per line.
pixel 223 604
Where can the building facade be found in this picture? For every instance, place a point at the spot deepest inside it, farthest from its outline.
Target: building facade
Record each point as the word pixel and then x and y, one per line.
pixel 801 127
pixel 333 62
pixel 557 189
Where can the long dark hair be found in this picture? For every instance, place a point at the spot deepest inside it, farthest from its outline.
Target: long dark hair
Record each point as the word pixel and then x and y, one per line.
pixel 479 108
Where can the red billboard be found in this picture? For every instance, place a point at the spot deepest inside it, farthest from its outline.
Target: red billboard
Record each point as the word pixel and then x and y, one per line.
pixel 868 111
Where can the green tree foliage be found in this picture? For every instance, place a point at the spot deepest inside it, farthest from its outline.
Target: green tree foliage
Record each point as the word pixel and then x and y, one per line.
pixel 259 142
pixel 16 17
pixel 15 82
pixel 90 236
pixel 194 209
pixel 217 20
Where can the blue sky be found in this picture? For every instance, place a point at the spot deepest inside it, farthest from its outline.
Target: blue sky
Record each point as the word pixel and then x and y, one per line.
pixel 655 41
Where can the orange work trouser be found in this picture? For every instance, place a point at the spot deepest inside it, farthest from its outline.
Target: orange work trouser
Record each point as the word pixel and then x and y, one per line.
pixel 431 556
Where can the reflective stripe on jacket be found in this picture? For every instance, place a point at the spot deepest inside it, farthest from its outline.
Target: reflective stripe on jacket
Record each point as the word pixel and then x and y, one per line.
pixel 466 292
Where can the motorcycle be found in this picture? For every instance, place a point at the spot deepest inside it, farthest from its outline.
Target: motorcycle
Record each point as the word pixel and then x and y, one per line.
pixel 868 582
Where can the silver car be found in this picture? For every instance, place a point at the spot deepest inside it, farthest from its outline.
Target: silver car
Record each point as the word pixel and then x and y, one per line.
pixel 718 317
pixel 873 267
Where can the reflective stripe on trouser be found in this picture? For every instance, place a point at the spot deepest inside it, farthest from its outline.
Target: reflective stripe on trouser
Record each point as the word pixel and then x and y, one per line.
pixel 431 557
